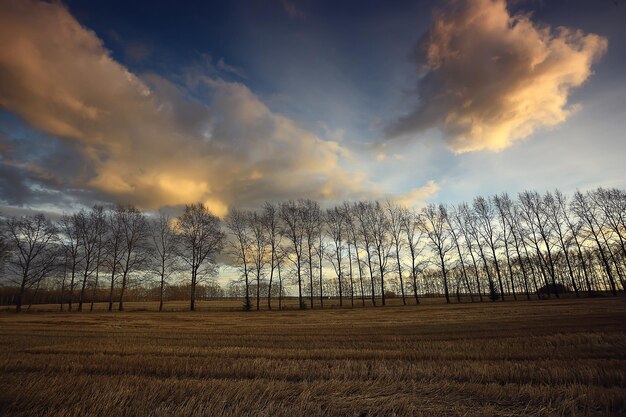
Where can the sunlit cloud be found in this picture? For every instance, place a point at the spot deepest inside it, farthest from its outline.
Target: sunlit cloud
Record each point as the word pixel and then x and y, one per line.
pixel 145 139
pixel 492 78
pixel 417 196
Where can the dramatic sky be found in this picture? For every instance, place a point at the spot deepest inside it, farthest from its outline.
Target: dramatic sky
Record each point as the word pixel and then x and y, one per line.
pixel 161 103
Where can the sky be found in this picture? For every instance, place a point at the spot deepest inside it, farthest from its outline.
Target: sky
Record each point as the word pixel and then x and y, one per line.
pixel 160 104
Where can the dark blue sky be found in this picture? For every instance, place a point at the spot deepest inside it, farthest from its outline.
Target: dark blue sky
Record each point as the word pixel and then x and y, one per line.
pixel 364 48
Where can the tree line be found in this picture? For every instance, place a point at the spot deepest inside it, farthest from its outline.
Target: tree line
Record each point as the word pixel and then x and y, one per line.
pixel 494 248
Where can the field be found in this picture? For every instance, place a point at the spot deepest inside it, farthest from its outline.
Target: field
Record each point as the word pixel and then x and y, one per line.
pixel 538 358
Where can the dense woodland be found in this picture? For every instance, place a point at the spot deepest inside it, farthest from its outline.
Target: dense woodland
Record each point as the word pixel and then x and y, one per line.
pixel 357 253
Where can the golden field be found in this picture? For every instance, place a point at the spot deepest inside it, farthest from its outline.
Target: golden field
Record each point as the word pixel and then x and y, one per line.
pixel 537 358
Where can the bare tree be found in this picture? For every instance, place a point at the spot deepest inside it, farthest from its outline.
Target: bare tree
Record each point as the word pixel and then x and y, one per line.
pixel 533 213
pixel 33 253
pixel 414 236
pixel 485 215
pixel 270 218
pixel 433 221
pixel 470 225
pixel 604 230
pixel 70 239
pixel 99 222
pixel 574 227
pixel 381 239
pixel 555 217
pixel 336 228
pixel 524 236
pixel 135 235
pixel 201 240
pixel 507 212
pixel 310 213
pixel 455 240
pixel 612 204
pixel 395 215
pixel 281 255
pixel 164 253
pixel 259 250
pixel 362 211
pixel 352 241
pixel 238 224
pixel 89 231
pixel 460 223
pixel 114 248
pixel 609 213
pixel 294 230
pixel 501 204
pixel 320 251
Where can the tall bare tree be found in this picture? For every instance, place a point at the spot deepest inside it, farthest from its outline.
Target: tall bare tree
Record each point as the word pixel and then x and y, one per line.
pixel 574 227
pixel 555 217
pixel 33 253
pixel 293 230
pixel 611 216
pixel 395 215
pixel 508 211
pixel 612 205
pixel 435 226
pixel 414 237
pixel 455 240
pixel 471 226
pixel 310 213
pixel 89 230
pixel 485 216
pixel 270 218
pixel 259 250
pixel 533 213
pixel 352 241
pixel 115 248
pixel 501 204
pixel 335 221
pixel 381 241
pixel 237 221
pixel 70 239
pixel 320 251
pixel 99 222
pixel 459 223
pixel 135 235
pixel 201 241
pixel 164 250
pixel 362 214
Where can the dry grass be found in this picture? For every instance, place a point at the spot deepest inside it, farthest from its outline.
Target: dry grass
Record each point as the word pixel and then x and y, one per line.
pixel 228 304
pixel 564 357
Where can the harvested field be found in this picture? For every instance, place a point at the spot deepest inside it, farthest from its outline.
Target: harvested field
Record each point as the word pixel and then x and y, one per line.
pixel 539 358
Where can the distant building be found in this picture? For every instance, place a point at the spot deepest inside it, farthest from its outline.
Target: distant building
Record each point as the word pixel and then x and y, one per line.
pixel 554 289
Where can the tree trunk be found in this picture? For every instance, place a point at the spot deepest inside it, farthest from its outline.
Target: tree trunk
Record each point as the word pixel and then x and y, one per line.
pixel 161 290
pixel 445 279
pixel 400 275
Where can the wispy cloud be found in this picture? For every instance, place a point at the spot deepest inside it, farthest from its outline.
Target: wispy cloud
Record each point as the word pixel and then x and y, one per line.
pixel 491 78
pixel 231 69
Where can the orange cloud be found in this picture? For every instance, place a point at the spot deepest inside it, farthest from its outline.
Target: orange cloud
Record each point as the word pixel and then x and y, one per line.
pixel 146 141
pixel 492 78
pixel 417 196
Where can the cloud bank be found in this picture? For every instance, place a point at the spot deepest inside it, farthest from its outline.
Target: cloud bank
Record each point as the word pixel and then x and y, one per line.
pixel 146 140
pixel 492 78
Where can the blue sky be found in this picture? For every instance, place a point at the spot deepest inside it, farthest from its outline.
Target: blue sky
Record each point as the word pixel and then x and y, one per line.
pixel 288 99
